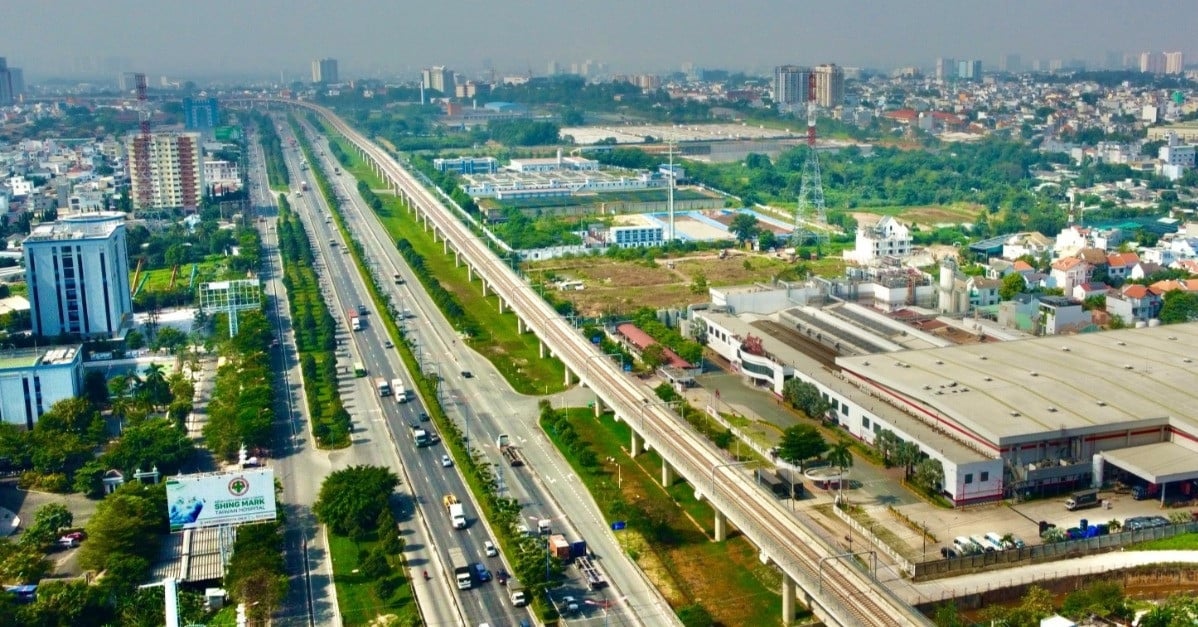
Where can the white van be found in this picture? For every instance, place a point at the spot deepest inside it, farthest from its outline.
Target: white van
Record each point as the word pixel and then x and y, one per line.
pixel 986 545
pixel 965 546
pixel 998 542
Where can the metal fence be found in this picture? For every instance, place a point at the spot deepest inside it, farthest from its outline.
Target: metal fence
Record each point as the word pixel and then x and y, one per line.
pixel 1044 552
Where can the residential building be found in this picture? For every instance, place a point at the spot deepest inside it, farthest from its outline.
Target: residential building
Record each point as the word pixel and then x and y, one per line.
pixel 790 87
pixel 887 238
pixel 32 380
pixel 1028 243
pixel 635 231
pixel 1152 62
pixel 1089 290
pixel 829 85
pixel 1060 314
pixel 439 78
pixel 1068 273
pixel 1175 158
pixel 166 171
pixel 1120 264
pixel 970 70
pixel 7 92
pixel 1134 303
pixel 201 114
pixel 1174 62
pixel 77 270
pixel 946 68
pixel 325 71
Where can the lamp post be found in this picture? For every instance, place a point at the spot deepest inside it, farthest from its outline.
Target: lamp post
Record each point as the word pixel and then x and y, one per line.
pixel 586 371
pixel 724 465
pixel 646 404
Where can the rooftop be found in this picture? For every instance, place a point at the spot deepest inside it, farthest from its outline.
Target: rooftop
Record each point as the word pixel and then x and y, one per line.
pixel 83 226
pixel 22 358
pixel 1020 391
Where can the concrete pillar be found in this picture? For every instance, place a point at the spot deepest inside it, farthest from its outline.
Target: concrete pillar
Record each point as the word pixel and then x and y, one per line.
pixel 445 247
pixel 457 259
pixel 667 474
pixel 567 376
pixel 470 277
pixel 520 325
pixel 599 406
pixel 721 527
pixel 541 345
pixel 788 599
pixel 634 447
pixel 502 305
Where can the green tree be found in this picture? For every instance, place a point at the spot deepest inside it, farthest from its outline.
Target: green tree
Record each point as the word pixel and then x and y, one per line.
pixel 807 397
pixel 653 356
pixel 95 388
pixel 48 520
pixel 887 444
pixel 840 455
pixel 929 474
pixel 134 340
pixel 21 563
pixel 744 227
pixel 1179 610
pixel 1179 306
pixel 154 388
pixel 155 442
pixel 800 443
pixel 256 574
pixel 1012 284
pixel 126 522
pixel 907 454
pixel 350 499
pixel 1104 599
pixel 947 615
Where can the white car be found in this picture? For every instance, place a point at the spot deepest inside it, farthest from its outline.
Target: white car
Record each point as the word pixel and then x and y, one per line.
pixel 489 549
pixel 446 462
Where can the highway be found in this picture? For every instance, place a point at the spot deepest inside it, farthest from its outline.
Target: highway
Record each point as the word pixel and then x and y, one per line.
pixel 840 592
pixel 383 422
pixel 485 406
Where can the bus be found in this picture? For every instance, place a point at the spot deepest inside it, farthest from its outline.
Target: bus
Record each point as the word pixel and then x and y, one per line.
pixel 359 369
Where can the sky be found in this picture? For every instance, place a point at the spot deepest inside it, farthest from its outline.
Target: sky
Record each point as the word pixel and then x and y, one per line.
pixel 387 38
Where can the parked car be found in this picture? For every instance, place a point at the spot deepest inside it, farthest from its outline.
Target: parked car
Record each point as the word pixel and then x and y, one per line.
pixel 947 553
pixel 71 540
pixel 466 374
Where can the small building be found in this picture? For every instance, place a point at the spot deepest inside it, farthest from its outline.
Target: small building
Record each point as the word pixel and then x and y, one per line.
pixel 887 238
pixel 1059 314
pixel 32 380
pixel 1134 303
pixel 633 337
pixel 468 165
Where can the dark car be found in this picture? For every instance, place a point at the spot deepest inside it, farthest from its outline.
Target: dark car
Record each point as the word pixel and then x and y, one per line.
pixel 466 374
pixel 423 417
pixel 947 553
pixel 502 576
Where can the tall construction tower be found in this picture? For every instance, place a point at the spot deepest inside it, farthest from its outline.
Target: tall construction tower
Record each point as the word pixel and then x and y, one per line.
pixel 670 195
pixel 141 146
pixel 811 219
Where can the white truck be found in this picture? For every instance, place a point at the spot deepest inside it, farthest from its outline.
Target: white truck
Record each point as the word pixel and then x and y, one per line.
pixel 461 568
pixel 398 390
pixel 382 386
pixel 457 513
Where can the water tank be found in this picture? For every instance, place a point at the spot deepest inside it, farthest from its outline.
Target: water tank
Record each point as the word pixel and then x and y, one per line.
pixel 1140 324
pixel 1096 473
pixel 1154 322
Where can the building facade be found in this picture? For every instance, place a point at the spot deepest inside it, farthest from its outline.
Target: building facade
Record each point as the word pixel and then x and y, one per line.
pixel 790 86
pixel 829 85
pixel 439 78
pixel 166 171
pixel 31 381
pixel 324 71
pixel 200 114
pixel 77 270
pixel 887 238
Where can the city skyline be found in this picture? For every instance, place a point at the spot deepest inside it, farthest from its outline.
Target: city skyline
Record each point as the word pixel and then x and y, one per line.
pixel 272 36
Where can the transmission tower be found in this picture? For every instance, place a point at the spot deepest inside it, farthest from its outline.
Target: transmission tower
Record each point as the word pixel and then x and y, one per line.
pixel 810 217
pixel 141 147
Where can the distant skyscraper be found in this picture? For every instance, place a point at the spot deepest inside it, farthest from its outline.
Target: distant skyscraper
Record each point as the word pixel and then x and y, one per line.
pixel 553 68
pixel 1011 63
pixel 324 71
pixel 1114 60
pixel 6 90
pixel 1174 63
pixel 200 114
pixel 1152 62
pixel 969 69
pixel 946 68
pixel 439 78
pixel 829 85
pixel 790 87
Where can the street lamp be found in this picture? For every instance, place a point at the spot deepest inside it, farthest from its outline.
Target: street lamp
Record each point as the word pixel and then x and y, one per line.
pixel 586 370
pixel 646 404
pixel 717 467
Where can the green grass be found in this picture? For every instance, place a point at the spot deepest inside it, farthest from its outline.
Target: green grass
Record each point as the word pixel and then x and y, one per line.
pixel 209 270
pixel 726 578
pixel 356 597
pixel 1180 542
pixel 515 355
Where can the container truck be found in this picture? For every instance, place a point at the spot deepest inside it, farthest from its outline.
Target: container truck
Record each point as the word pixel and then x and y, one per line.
pixel 457 513
pixel 510 453
pixel 382 386
pixel 1082 500
pixel 461 568
pixel 420 436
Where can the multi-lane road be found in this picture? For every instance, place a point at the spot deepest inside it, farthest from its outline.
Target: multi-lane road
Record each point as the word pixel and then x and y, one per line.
pixel 840 592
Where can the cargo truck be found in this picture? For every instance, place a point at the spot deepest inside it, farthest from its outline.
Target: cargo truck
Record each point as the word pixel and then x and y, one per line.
pixel 457 513
pixel 382 386
pixel 397 388
pixel 1082 500
pixel 461 569
pixel 420 436
pixel 510 453
pixel 355 320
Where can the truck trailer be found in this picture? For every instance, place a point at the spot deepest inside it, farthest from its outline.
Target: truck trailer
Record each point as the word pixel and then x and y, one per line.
pixel 461 568
pixel 397 388
pixel 355 320
pixel 382 386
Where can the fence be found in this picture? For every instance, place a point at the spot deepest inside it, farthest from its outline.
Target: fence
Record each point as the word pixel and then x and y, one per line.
pixel 1044 552
pixel 901 562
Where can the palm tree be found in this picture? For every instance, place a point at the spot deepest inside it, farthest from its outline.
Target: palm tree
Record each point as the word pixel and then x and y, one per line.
pixel 908 455
pixel 154 388
pixel 840 455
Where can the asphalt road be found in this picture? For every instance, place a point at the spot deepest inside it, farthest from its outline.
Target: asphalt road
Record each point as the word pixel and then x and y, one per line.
pixel 486 406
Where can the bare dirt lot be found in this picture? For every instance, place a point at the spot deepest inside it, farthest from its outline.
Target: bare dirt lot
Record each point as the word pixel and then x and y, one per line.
pixel 930 216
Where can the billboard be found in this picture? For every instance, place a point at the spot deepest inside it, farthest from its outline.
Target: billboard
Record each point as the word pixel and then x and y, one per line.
pixel 222 498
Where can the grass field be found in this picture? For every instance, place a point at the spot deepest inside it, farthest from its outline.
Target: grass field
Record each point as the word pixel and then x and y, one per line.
pixel 726 578
pixel 515 355
pixel 929 215
pixel 207 270
pixel 1182 542
pixel 356 597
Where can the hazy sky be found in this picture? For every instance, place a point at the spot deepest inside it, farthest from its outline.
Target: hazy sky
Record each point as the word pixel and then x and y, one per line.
pixel 385 37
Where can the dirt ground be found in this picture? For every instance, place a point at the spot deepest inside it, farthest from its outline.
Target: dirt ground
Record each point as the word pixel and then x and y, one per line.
pixel 623 286
pixel 930 216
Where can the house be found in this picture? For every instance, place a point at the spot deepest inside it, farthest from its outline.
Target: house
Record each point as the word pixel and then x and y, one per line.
pixel 887 238
pixel 1134 303
pixel 1068 273
pixel 1090 290
pixel 1059 314
pixel 1095 259
pixel 1118 265
pixel 1144 269
pixel 1164 287
pixel 1070 240
pixel 1030 243
pixel 1184 247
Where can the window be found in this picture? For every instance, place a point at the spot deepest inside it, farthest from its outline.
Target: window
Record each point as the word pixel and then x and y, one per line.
pixel 877 428
pixel 865 422
pixel 985 477
pixel 968 478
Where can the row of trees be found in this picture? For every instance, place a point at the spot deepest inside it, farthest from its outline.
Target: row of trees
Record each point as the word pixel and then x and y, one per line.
pixel 241 410
pixel 645 318
pixel 315 332
pixel 446 302
pixel 272 148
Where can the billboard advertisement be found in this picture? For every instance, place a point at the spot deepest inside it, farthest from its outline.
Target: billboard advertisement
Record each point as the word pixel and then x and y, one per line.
pixel 222 498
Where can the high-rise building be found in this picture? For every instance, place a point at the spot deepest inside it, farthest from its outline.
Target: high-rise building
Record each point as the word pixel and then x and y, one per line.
pixel 201 114
pixel 1011 63
pixel 969 69
pixel 7 94
pixel 33 380
pixel 829 85
pixel 439 78
pixel 790 86
pixel 553 69
pixel 77 272
pixel 1152 62
pixel 946 68
pixel 1174 62
pixel 324 71
pixel 176 171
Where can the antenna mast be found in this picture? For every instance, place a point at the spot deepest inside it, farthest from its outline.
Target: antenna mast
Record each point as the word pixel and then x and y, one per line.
pixel 811 193
pixel 141 146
